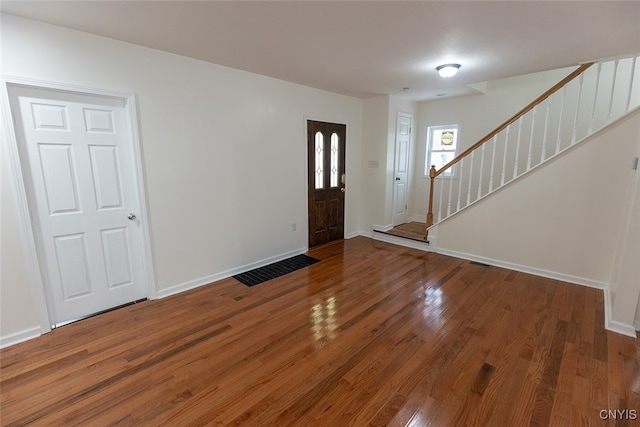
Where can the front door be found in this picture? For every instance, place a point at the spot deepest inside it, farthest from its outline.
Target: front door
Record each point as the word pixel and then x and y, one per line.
pixel 401 181
pixel 326 177
pixel 77 155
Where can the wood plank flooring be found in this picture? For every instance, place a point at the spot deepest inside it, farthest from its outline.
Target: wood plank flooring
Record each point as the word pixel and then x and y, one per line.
pixel 374 334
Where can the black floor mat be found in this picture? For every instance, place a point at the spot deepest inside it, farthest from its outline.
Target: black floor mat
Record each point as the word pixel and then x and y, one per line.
pixel 277 269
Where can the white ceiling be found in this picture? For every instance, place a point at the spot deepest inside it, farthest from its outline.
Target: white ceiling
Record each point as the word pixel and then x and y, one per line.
pixel 363 48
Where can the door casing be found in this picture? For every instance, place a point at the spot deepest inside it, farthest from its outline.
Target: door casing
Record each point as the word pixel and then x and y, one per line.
pixel 17 171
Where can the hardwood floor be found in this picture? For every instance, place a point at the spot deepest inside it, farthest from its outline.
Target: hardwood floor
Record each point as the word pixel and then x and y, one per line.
pixel 374 334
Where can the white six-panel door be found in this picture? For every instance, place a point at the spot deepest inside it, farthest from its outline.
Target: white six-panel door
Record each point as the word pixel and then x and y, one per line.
pixel 401 178
pixel 77 157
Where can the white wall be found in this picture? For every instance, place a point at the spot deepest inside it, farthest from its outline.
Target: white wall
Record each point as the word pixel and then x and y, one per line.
pixel 378 157
pixel 224 155
pixel 17 305
pixel 374 161
pixel 624 286
pixel 563 219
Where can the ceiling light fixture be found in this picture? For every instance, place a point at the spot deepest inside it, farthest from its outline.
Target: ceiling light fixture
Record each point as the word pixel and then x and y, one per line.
pixel 448 70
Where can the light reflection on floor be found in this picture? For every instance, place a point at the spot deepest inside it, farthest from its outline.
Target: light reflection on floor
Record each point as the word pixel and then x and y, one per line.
pixel 323 317
pixel 432 307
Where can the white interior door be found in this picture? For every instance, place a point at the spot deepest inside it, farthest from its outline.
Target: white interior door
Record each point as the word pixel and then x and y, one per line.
pixel 77 156
pixel 401 184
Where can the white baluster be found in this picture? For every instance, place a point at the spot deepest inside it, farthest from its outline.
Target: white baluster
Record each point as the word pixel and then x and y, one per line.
pixel 575 116
pixel 595 98
pixel 440 204
pixel 613 86
pixel 484 146
pixel 559 135
pixel 470 176
pixel 544 136
pixel 450 186
pixel 633 71
pixel 460 184
pixel 533 125
pixel 504 157
pixel 515 164
pixel 493 161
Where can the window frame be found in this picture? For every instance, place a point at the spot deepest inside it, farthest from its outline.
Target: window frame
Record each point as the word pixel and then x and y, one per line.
pixel 429 148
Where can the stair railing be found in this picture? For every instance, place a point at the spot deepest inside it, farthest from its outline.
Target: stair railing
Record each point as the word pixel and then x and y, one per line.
pixel 573 109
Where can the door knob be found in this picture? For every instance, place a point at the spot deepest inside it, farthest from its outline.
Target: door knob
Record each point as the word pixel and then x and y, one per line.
pixel 343 189
pixel 397 179
pixel 131 216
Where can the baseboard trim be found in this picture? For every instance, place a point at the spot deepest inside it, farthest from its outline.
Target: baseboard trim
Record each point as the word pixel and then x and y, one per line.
pixel 526 269
pixel 378 227
pixel 192 284
pixel 418 218
pixel 18 337
pixel 620 328
pixel 614 325
pixel 636 325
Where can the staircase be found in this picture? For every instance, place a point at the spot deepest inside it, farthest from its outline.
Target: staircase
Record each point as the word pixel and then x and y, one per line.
pixel 590 98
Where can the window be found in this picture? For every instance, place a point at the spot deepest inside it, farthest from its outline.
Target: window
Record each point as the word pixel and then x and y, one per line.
pixel 319 145
pixel 442 143
pixel 334 160
pixel 321 168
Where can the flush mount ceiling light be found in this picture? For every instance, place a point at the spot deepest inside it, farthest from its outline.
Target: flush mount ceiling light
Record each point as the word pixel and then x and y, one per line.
pixel 448 70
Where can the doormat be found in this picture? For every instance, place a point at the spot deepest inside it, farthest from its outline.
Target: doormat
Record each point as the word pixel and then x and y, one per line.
pixel 277 269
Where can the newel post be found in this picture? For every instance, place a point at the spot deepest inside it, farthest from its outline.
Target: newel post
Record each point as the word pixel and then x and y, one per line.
pixel 432 177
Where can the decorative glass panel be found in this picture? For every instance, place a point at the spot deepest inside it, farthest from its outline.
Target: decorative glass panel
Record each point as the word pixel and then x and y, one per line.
pixel 319 160
pixel 444 139
pixel 334 160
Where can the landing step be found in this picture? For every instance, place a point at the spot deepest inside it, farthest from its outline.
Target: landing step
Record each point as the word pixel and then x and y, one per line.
pixel 402 241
